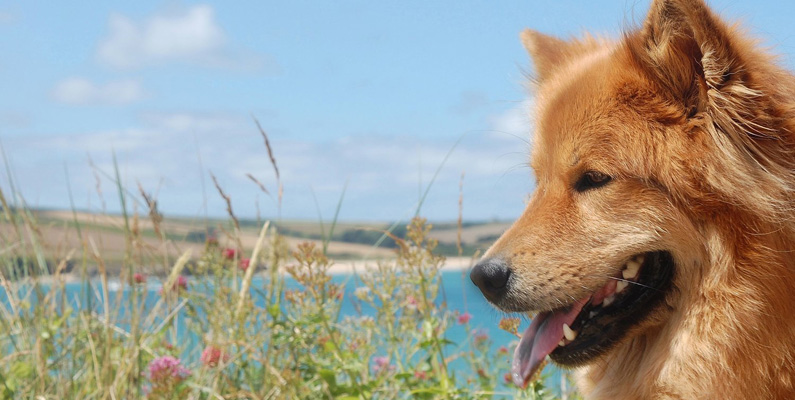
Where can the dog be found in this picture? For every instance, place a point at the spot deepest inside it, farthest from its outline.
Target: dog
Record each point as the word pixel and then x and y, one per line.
pixel 658 248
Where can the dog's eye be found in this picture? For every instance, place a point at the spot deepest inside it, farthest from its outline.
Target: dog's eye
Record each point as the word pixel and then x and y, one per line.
pixel 591 180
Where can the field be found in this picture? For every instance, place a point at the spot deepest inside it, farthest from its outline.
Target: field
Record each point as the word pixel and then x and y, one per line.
pixel 350 243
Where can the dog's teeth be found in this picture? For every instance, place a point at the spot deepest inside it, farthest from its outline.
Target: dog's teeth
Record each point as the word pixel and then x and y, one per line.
pixel 627 274
pixel 569 333
pixel 591 314
pixel 631 269
pixel 608 300
pixel 562 343
pixel 621 285
pixel 639 259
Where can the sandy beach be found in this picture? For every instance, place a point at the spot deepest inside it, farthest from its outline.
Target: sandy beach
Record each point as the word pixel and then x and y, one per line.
pixel 350 266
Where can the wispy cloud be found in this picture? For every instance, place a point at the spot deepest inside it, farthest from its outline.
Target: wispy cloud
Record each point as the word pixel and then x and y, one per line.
pixel 189 35
pixel 384 172
pixel 470 101
pixel 191 122
pixel 81 91
pixel 516 121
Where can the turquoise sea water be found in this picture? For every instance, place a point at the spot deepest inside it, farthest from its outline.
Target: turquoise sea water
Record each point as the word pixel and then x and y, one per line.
pixel 459 293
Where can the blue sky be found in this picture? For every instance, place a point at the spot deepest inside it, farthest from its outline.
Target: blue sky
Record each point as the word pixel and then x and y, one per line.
pixel 370 93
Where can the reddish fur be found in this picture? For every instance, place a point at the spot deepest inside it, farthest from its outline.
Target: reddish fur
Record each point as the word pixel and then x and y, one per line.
pixel 695 125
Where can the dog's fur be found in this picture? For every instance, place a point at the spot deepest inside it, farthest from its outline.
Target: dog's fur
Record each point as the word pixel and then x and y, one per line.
pixel 696 127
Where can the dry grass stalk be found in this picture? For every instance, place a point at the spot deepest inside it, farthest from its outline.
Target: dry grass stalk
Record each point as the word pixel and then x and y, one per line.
pixel 176 271
pixel 273 162
pixel 252 265
pixel 259 184
pixel 154 214
pixel 228 202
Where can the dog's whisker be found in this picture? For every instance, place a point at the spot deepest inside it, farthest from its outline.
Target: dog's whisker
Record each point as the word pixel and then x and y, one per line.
pixel 624 280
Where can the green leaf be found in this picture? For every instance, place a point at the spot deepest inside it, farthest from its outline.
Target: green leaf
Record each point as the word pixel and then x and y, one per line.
pixel 22 370
pixel 329 377
pixel 274 310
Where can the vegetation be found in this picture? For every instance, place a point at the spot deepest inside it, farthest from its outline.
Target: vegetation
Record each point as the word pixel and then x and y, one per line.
pixel 224 337
pixel 255 323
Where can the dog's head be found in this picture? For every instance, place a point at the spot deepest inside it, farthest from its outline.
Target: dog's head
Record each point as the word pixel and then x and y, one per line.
pixel 636 144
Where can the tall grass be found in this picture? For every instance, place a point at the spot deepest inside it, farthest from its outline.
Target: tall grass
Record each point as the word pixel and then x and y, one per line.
pixel 261 323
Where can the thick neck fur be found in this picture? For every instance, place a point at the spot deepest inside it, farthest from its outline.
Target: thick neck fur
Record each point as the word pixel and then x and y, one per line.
pixel 728 337
pixel 729 334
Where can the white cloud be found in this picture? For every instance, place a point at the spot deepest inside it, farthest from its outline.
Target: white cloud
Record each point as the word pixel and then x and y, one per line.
pixel 193 122
pixel 384 171
pixel 123 140
pixel 189 35
pixel 516 121
pixel 81 91
pixel 470 101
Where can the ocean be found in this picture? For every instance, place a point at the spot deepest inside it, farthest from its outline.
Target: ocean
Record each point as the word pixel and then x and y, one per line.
pixel 458 291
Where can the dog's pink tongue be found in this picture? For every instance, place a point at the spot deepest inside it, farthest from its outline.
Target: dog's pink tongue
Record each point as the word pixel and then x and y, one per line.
pixel 540 339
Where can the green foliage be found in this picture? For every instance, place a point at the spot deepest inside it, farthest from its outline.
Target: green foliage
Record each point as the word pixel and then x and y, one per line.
pixel 366 236
pixel 205 339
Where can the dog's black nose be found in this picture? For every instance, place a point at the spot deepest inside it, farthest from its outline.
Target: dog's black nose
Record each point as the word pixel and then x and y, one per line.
pixel 491 276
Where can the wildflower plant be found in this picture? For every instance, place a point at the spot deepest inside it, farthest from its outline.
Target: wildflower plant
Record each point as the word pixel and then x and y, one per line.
pixel 236 322
pixel 166 377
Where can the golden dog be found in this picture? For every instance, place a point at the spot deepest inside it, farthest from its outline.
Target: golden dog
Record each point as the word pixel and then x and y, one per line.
pixel 658 249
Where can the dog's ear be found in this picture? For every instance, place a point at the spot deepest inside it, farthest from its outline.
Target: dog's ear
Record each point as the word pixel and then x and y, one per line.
pixel 547 52
pixel 550 53
pixel 687 49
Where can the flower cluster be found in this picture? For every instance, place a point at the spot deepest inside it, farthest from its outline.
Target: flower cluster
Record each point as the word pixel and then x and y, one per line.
pixel 212 356
pixel 464 318
pixel 167 370
pixel 139 277
pixel 480 336
pixel 382 365
pixel 181 283
pixel 510 325
pixel 229 253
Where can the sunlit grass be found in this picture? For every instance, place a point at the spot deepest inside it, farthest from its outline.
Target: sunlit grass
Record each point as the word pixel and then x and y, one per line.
pixel 251 323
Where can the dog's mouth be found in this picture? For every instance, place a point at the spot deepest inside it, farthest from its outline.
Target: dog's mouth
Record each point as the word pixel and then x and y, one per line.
pixel 588 328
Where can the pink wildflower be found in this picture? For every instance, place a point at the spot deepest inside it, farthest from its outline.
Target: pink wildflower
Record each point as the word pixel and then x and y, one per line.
pixel 334 292
pixel 244 263
pixel 139 277
pixel 167 369
pixel 464 318
pixel 212 356
pixel 381 364
pixel 181 283
pixel 411 301
pixel 481 336
pixel 229 253
pixel 421 375
pixel 502 350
